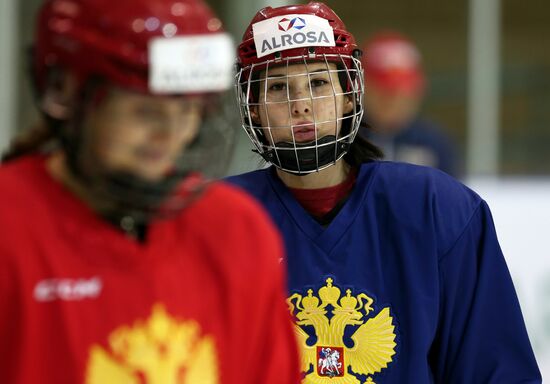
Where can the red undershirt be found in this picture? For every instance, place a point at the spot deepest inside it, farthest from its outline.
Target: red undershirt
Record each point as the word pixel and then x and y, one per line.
pixel 319 202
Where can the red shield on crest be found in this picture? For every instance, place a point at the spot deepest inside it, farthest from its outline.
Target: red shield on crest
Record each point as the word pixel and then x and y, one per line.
pixel 330 361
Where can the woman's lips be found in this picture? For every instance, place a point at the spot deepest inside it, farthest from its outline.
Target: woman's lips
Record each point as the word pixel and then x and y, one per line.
pixel 304 131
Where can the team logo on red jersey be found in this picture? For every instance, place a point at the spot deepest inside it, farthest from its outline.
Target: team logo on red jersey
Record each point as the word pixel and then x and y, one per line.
pixel 330 361
pixel 67 289
pixel 161 349
pixel 296 23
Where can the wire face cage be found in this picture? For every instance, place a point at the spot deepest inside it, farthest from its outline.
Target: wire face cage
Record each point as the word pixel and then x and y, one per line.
pixel 302 113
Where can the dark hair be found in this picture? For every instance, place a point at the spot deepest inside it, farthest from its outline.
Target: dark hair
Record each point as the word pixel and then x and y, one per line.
pixel 49 131
pixel 362 151
pixel 31 141
pixel 45 131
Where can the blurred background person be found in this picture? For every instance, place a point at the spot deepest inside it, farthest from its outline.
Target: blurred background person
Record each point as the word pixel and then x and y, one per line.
pixel 396 86
pixel 118 263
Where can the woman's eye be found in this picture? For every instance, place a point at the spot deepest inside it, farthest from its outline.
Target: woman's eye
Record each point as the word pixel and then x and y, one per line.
pixel 318 82
pixel 277 87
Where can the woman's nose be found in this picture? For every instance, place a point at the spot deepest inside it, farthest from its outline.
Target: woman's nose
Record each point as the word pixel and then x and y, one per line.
pixel 301 103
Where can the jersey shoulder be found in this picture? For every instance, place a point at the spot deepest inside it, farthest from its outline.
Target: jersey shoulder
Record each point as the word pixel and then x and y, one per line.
pixel 14 174
pixel 236 231
pixel 21 183
pixel 402 179
pixel 255 183
pixel 426 196
pixel 22 204
pixel 226 197
pixel 234 215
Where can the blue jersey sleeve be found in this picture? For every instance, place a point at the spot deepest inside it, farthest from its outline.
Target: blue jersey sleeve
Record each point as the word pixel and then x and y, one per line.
pixel 481 337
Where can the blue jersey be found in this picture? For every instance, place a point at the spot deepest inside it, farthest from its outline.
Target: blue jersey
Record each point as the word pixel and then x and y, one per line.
pixel 407 284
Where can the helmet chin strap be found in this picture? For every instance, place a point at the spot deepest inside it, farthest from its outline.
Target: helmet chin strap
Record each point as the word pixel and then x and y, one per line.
pixel 304 158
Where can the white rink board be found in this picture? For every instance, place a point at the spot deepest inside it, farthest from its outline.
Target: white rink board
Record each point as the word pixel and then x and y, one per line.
pixel 521 210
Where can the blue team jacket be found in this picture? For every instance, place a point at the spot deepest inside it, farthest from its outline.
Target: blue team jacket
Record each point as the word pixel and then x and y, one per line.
pixel 406 285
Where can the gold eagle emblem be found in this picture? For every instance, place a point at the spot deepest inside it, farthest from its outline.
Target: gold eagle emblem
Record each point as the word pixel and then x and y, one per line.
pixel 160 350
pixel 327 359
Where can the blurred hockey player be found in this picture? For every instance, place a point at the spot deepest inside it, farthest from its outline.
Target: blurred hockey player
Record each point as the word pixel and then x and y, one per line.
pixel 118 262
pixel 396 86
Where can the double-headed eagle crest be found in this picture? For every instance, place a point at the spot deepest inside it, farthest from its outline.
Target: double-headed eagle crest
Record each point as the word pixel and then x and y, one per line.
pixel 159 350
pixel 326 356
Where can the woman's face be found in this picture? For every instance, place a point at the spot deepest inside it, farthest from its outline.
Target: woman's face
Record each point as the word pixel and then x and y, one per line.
pixel 295 106
pixel 141 134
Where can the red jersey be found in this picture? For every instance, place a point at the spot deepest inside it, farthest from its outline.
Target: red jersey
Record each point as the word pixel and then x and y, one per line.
pixel 200 301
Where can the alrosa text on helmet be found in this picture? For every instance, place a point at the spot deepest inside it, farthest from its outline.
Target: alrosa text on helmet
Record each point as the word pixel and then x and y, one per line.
pixel 288 41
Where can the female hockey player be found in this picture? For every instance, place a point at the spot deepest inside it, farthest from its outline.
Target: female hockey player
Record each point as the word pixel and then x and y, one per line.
pixel 117 265
pixel 395 272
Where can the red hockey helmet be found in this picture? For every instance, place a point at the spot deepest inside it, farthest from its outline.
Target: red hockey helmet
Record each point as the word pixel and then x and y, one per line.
pixel 169 47
pixel 394 64
pixel 344 42
pixel 112 39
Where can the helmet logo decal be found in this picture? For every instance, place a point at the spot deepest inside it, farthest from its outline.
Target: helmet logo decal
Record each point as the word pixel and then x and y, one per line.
pixel 286 24
pixel 186 64
pixel 291 31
